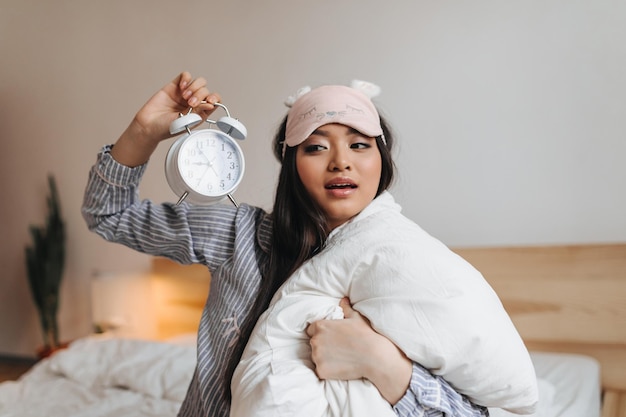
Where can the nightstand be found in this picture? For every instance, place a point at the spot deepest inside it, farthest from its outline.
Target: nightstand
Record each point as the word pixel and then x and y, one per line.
pixel 12 367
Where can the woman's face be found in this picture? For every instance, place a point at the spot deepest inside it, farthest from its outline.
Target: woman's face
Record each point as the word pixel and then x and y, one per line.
pixel 340 169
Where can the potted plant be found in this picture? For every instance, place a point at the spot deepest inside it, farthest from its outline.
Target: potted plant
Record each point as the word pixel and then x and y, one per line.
pixel 45 261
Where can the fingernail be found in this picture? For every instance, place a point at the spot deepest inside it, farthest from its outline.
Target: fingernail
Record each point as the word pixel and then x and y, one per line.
pixel 193 102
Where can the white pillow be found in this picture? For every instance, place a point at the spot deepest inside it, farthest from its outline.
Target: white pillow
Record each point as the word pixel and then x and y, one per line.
pixel 547 391
pixel 431 303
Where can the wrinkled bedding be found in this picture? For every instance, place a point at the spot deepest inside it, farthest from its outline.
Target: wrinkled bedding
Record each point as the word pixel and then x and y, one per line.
pixel 106 377
pixel 103 377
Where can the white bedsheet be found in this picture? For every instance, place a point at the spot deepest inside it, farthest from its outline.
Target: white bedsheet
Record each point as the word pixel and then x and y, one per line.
pixel 103 377
pixel 569 386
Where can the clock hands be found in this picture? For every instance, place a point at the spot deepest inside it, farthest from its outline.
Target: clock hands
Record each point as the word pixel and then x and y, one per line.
pixel 209 161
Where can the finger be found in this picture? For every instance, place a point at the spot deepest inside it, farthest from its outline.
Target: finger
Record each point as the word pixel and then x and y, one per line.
pixel 207 106
pixel 183 80
pixel 345 305
pixel 208 101
pixel 195 92
pixel 194 87
pixel 186 82
pixel 311 329
pixel 194 99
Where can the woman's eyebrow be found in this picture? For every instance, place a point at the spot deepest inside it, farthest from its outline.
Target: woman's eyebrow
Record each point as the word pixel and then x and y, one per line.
pixel 321 132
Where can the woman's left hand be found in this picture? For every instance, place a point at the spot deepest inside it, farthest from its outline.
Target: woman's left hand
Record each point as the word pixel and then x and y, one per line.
pixel 350 349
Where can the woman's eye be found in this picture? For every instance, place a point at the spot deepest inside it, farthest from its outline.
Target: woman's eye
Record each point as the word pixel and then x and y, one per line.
pixel 313 148
pixel 360 145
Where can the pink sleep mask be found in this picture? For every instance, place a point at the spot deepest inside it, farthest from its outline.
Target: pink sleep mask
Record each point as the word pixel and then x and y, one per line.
pixel 348 106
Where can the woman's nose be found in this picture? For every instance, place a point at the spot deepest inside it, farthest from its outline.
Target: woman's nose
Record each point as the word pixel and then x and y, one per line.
pixel 339 161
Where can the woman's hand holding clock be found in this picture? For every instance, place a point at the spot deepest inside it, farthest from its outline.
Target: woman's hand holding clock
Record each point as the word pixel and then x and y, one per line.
pixel 151 123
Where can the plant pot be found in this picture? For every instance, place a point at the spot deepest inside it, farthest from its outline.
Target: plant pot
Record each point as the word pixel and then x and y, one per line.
pixel 46 351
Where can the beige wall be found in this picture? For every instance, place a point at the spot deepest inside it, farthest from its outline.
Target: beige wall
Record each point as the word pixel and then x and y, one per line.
pixel 510 115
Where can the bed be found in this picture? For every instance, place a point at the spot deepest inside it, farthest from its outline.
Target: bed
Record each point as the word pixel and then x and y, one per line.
pixel 568 303
pixel 568 300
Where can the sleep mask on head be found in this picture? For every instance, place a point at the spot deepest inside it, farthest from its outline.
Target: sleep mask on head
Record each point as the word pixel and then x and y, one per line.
pixel 350 106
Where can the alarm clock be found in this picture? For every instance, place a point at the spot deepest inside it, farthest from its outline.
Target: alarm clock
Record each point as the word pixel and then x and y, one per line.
pixel 205 166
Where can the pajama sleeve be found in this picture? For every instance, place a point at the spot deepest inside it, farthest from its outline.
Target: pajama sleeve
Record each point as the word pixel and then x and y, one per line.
pixel 430 395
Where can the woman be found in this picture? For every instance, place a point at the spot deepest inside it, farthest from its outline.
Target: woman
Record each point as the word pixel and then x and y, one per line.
pixel 249 256
pixel 435 306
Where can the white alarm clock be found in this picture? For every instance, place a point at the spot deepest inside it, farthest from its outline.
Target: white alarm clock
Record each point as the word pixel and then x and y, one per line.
pixel 205 166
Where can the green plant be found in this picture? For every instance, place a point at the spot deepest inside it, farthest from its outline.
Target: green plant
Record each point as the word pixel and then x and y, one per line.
pixel 45 260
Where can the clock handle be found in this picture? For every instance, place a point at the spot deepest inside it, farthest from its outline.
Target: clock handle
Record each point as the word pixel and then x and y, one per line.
pixel 229 125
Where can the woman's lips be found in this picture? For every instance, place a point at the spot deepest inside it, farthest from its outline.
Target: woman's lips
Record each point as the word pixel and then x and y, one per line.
pixel 340 183
pixel 341 187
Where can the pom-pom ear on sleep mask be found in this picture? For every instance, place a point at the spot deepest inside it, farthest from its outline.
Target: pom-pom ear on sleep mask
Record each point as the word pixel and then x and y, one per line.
pixel 351 106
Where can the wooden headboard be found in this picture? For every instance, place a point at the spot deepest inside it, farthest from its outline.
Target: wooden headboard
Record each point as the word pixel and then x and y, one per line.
pixel 561 298
pixel 566 299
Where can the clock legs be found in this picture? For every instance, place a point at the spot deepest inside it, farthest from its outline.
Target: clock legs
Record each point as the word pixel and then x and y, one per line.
pixel 232 200
pixel 182 197
pixel 186 193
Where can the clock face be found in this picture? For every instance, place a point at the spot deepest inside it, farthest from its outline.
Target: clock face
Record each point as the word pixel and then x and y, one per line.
pixel 210 163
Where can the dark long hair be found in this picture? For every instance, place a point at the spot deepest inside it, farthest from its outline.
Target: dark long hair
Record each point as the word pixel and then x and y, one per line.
pixel 299 230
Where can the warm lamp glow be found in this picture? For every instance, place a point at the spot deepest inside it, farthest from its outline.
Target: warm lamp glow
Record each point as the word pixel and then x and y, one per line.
pixel 123 304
